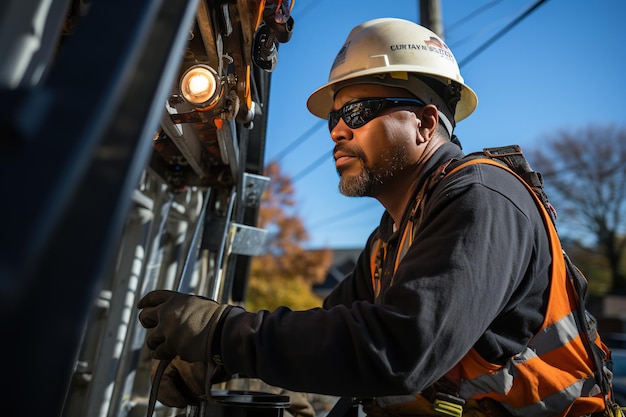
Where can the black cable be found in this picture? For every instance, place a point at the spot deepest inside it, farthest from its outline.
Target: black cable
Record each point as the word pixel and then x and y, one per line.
pixel 341 217
pixel 471 15
pixel 313 165
pixel 508 27
pixel 300 140
pixel 155 386
pixel 467 59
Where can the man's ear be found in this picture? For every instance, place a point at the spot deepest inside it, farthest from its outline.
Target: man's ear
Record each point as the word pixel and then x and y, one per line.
pixel 430 120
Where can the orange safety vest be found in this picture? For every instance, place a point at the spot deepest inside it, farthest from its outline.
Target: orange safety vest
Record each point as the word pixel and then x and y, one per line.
pixel 553 376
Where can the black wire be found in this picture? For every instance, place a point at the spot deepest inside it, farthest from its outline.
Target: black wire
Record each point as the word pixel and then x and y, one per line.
pixel 300 140
pixel 155 386
pixel 498 35
pixel 467 59
pixel 471 15
pixel 341 217
pixel 312 166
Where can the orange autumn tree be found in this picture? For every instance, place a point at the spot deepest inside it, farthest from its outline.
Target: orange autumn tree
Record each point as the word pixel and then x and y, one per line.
pixel 286 272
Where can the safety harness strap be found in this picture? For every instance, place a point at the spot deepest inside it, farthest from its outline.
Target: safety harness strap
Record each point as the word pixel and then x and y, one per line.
pixel 511 159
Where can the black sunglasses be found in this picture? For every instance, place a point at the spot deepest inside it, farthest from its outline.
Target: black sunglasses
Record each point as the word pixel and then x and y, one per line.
pixel 359 112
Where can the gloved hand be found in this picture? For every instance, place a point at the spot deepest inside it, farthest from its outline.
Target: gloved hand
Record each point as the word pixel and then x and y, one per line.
pixel 372 409
pixel 182 381
pixel 180 324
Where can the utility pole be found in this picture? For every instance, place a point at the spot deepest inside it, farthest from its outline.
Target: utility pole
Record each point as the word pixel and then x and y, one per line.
pixel 430 16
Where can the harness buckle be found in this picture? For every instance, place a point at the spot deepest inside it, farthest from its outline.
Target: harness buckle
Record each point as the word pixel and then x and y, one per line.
pixel 448 404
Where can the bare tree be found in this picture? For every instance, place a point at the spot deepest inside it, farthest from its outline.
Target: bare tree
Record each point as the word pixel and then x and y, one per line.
pixel 585 177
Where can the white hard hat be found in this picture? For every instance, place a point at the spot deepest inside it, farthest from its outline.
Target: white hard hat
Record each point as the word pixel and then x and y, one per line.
pixel 399 53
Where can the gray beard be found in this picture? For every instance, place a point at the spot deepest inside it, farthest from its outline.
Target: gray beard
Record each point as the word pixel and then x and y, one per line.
pixel 359 186
pixel 370 180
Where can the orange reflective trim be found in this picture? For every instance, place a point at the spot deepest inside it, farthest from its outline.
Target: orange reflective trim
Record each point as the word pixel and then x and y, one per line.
pixel 530 371
pixel 405 244
pixel 473 365
pixel 567 365
pixel 561 299
pixel 564 357
pixel 557 364
pixel 585 405
pixel 375 250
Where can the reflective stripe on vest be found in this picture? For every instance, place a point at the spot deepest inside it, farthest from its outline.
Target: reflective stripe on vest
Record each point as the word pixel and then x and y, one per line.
pixel 556 354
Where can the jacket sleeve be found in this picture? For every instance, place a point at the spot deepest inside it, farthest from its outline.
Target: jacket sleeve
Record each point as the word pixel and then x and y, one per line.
pixel 476 275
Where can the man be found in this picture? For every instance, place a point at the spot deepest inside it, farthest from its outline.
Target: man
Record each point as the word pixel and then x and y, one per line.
pixel 455 305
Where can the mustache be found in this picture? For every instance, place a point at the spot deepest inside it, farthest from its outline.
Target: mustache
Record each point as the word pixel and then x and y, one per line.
pixel 349 150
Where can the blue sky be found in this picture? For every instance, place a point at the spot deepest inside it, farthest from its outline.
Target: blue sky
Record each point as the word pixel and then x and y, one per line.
pixel 561 68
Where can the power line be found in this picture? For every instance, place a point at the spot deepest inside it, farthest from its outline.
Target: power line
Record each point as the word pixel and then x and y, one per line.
pixel 498 35
pixel 471 15
pixel 300 140
pixel 369 205
pixel 312 166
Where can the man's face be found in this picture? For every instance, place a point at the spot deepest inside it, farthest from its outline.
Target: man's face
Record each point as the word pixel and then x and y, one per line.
pixel 371 157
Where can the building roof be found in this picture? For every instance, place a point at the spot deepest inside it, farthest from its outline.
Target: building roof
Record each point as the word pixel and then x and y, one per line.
pixel 344 261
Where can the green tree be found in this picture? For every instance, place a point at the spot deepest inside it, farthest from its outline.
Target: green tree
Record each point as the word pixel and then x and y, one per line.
pixel 285 273
pixel 585 177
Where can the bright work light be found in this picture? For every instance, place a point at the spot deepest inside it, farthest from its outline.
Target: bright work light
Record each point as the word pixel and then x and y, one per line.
pixel 200 85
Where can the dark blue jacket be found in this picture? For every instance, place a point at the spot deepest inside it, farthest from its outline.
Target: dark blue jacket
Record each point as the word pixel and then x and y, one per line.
pixel 476 276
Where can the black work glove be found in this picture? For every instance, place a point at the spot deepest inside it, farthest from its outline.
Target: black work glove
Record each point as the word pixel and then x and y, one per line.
pixel 182 382
pixel 180 325
pixel 185 383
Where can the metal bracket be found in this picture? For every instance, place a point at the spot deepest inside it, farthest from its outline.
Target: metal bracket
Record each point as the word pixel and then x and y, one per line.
pixel 253 189
pixel 247 240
